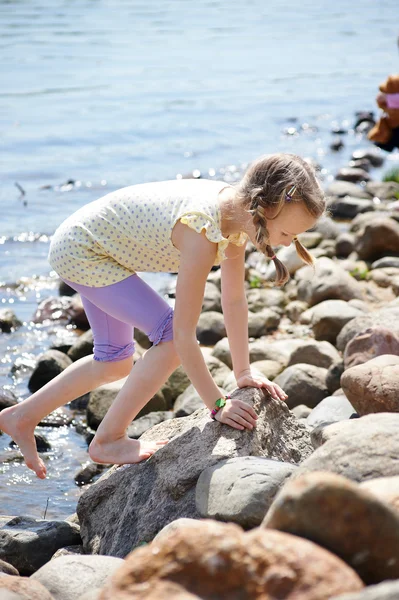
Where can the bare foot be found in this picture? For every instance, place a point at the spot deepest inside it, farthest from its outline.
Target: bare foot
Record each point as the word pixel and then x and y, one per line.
pixel 13 424
pixel 123 451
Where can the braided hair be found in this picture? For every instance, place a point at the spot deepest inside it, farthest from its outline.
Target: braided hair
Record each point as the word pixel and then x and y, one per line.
pixel 268 184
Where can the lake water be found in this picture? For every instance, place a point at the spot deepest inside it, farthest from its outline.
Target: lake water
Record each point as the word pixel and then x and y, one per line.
pixel 111 93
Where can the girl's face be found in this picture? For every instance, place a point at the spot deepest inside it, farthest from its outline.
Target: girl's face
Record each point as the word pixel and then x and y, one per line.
pixel 292 220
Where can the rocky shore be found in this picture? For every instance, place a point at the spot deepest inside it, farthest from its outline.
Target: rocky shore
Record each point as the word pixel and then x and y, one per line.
pixel 305 506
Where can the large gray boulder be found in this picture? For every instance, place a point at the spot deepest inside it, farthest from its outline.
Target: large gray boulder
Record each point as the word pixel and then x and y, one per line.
pixel 49 365
pixel 330 410
pixel 317 353
pixel 327 281
pixel 210 328
pixel 304 384
pixel 329 317
pixel 130 504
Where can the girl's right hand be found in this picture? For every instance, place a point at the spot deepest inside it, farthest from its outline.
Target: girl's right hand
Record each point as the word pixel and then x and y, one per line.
pixel 237 414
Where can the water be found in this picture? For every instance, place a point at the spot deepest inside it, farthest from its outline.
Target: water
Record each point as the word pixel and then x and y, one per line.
pixel 108 94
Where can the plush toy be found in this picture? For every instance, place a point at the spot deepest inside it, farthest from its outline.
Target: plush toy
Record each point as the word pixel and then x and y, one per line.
pixel 385 133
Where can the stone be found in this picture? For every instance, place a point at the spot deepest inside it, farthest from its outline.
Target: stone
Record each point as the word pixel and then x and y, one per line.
pixel 320 354
pixel 344 244
pixel 68 551
pixel 260 564
pixel 327 228
pixel 188 402
pixel 346 188
pixel 42 443
pixel 9 321
pixel 261 322
pixel 21 588
pixel 333 377
pixel 7 398
pixel 101 399
pixel 373 387
pixel 387 317
pixel 301 411
pixel 63 308
pixel 183 523
pixel 352 174
pixel 330 410
pixel 65 290
pixel 372 154
pixel 68 577
pixel 260 298
pixel 28 543
pixel 385 488
pixel 88 473
pixel 210 328
pixel 348 207
pixel 176 384
pixel 386 262
pixel 49 365
pixel 268 368
pixel 304 384
pixel 329 317
pixel 217 369
pixel 212 298
pixel 129 505
pixel 7 569
pixel 295 309
pixel 377 238
pixel 389 590
pixel 142 424
pixel 222 352
pixel 266 348
pixel 384 190
pixel 328 281
pixel 384 277
pixel 240 490
pixel 370 343
pixel 82 347
pixel 359 449
pixel 364 531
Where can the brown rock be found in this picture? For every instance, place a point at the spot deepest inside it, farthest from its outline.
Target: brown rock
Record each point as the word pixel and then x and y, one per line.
pixel 377 238
pixel 24 587
pixel 337 514
pixel 373 386
pixel 219 561
pixel 385 488
pixel 387 317
pixel 370 343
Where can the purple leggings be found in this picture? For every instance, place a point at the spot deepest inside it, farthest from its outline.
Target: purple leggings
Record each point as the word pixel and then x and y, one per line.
pixel 114 310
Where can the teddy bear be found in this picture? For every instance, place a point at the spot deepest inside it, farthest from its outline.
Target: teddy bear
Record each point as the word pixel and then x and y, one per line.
pixel 385 132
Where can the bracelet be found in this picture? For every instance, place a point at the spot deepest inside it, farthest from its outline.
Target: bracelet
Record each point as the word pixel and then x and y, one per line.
pixel 220 402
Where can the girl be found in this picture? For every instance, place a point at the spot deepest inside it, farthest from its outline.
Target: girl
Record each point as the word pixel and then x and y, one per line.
pixel 186 226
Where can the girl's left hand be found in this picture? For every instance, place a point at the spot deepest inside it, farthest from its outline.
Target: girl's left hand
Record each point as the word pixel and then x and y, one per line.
pixel 248 379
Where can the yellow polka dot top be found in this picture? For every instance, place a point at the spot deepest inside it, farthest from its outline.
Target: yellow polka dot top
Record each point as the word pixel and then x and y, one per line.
pixel 129 231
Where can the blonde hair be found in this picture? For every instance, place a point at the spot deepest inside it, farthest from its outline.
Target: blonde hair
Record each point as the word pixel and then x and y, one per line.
pixel 268 185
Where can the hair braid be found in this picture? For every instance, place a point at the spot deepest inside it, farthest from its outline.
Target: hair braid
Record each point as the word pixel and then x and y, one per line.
pixel 262 239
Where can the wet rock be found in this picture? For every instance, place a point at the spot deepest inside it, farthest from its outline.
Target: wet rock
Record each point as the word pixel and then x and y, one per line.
pixel 352 174
pixel 89 472
pixel 360 163
pixel 8 321
pixel 49 365
pixel 337 144
pixel 385 190
pixel 82 347
pixel 304 384
pixel 370 343
pixel 261 322
pixel 7 398
pixel 385 488
pixel 329 317
pixel 345 188
pixel 212 298
pixel 61 309
pixel 58 418
pixel 348 207
pixel 387 317
pixel 68 577
pixel 321 354
pixel 22 588
pixel 389 590
pixel 102 398
pixel 260 564
pixel 210 328
pixel 129 505
pixel 364 531
pixel 260 298
pixel 333 377
pixel 328 281
pixel 377 238
pixel 7 569
pixel 359 449
pixel 344 245
pixel 42 444
pixel 373 386
pixel 295 309
pixel 374 156
pixel 28 543
pixel 240 490
pixel 142 424
pixel 330 410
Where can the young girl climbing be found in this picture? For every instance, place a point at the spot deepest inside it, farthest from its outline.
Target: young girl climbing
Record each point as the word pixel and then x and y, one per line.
pixel 186 226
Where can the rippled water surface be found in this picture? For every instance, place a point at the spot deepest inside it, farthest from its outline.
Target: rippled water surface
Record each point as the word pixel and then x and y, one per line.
pixel 103 94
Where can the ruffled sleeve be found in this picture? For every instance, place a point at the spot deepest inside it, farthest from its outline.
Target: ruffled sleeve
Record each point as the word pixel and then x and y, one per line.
pixel 200 221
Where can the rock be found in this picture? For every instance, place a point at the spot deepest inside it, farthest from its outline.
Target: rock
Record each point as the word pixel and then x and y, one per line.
pixel 65 290
pixel 359 449
pixel 21 588
pixel 142 424
pixel 240 489
pixel 210 328
pixel 295 309
pixel 42 443
pixel 386 261
pixel 377 238
pixel 361 221
pixel 384 190
pixel 182 523
pixel 304 384
pixel 344 244
pixel 327 227
pixel 310 239
pixel 385 488
pixel 129 505
pixel 370 343
pixel 68 551
pixel 348 207
pixel 82 347
pixel 9 321
pixel 101 399
pixel 212 298
pixel 373 387
pixel 321 354
pixel 371 154
pixel 260 298
pixel 217 369
pixel 301 411
pixel 49 365
pixel 63 308
pixel 337 144
pixel 260 564
pixel 268 368
pixel 87 473
pixel 7 398
pixel 176 384
pixel 269 349
pixel 364 531
pixel 389 590
pixel 221 351
pixel 330 410
pixel 7 569
pixel 329 317
pixel 188 402
pixel 387 317
pixel 333 377
pixel 345 188
pixel 261 322
pixel 68 577
pixel 352 174
pixel 327 282
pixel 28 543
pixel 384 277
